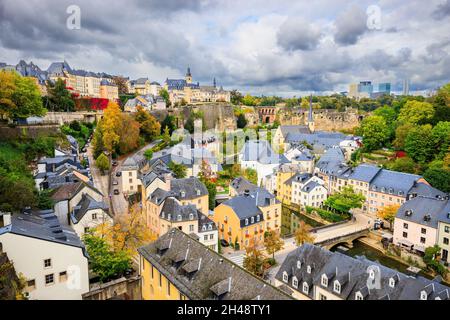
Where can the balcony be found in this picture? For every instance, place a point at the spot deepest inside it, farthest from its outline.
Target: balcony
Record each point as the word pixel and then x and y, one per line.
pixel 229 233
pixel 261 231
pixel 247 235
pixel 225 221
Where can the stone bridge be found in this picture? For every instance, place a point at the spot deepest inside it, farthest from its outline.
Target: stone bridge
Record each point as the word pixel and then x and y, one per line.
pixel 330 236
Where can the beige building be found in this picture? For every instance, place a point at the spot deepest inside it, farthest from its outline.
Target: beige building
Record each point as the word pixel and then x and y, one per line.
pixel 108 90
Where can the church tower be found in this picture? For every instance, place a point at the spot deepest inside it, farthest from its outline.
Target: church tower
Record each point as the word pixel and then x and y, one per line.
pixel 310 121
pixel 188 76
pixel 214 82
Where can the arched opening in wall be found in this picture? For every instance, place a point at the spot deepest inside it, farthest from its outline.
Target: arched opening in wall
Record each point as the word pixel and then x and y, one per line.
pixel 267 119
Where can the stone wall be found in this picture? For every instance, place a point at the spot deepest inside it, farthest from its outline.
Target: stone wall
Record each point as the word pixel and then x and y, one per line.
pixel 324 119
pixel 123 288
pixel 27 131
pixel 218 116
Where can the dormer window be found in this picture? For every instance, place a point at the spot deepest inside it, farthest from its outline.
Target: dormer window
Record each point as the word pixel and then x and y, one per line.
pixel 423 295
pixel 324 280
pixel 299 264
pixel 359 296
pixel 308 269
pixel 246 221
pixel 252 219
pixel 285 277
pixel 191 216
pixel 337 287
pixel 305 288
pixel 391 282
pixel 183 194
pixel 199 192
pixel 169 216
pixel 210 227
pixel 204 228
pixel 258 218
pixel 162 214
pixel 372 274
pixel 295 282
pixel 179 218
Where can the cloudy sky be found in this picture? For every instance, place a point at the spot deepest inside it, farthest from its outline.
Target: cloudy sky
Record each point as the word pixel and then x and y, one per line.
pixel 282 47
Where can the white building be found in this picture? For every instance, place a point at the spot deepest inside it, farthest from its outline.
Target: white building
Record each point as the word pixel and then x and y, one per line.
pixel 259 155
pixel 302 157
pixel 50 256
pixel 308 190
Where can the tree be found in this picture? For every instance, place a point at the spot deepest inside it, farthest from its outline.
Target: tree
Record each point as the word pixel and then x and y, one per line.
pixel 166 135
pixel 59 98
pixel 388 213
pixel 404 164
pixel 248 100
pixel 148 154
pixel 111 122
pixel 11 285
pixel 106 262
pixel 251 175
pixel 129 134
pixel 165 95
pixel 19 96
pixel 303 234
pixel 345 200
pixel 128 233
pixel 273 242
pixel 419 144
pixel 121 84
pixel 416 112
pixel 374 131
pixel 241 121
pixel 430 259
pixel 169 121
pixel 189 125
pixel 254 260
pixel 400 135
pixel 178 169
pixel 438 176
pixel 236 97
pixel 102 162
pixel 150 127
pixel 441 138
pixel 212 191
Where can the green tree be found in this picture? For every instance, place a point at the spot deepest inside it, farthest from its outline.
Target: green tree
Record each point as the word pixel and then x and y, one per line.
pixel 400 135
pixel 438 176
pixel 104 260
pixel 178 169
pixel 441 138
pixel 241 121
pixel 165 95
pixel 430 259
pixel 375 132
pixel 19 96
pixel 272 242
pixel 236 97
pixel 189 125
pixel 166 135
pixel 419 144
pixel 169 121
pixel 248 100
pixel 150 127
pixel 251 175
pixel 102 163
pixel 212 191
pixel 345 200
pixel 416 112
pixel 404 164
pixel 59 98
pixel 254 260
pixel 148 154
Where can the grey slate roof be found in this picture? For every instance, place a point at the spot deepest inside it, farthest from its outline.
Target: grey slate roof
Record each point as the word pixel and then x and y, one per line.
pixel 352 274
pixel 206 223
pixel 262 152
pixel 364 172
pixel 203 273
pixel 393 182
pixel 188 188
pixel 173 210
pixel 86 203
pixel 241 184
pixel 285 130
pixel 425 190
pixel 310 186
pixel 425 211
pixel 43 225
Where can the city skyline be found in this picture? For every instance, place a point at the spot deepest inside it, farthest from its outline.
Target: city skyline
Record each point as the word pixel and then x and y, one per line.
pixel 278 49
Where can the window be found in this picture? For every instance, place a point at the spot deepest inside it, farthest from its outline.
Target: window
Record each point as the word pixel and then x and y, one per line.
pixel 445 240
pixel 299 264
pixel 168 288
pixel 337 287
pixel 308 269
pixel 257 218
pixel 422 240
pixel 285 277
pixel 86 229
pixel 191 216
pixel 130 174
pixel 295 282
pixel 179 217
pixel 423 295
pixel 94 216
pixel 322 296
pixel 324 280
pixel 47 263
pixel 211 236
pixel 63 276
pixel 305 288
pixel 447 229
pixel 423 231
pixel 205 237
pixel 252 219
pixel 31 285
pixel 391 282
pixel 160 280
pixel 49 279
pixel 130 180
pixel 246 221
pixel 405 234
pixel 405 226
pixel 152 272
pixel 359 296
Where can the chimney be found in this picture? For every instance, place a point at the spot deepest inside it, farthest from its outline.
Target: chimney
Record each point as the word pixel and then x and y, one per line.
pixel 5 219
pixel 246 192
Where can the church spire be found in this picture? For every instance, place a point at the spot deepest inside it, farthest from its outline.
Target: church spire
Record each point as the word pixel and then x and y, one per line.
pixel 188 73
pixel 310 115
pixel 214 82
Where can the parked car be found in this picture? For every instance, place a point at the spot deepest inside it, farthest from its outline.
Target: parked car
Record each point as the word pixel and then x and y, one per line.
pixel 116 191
pixel 224 243
pixel 118 173
pixel 114 163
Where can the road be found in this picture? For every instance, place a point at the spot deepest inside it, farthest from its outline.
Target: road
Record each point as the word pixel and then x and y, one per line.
pixel 100 181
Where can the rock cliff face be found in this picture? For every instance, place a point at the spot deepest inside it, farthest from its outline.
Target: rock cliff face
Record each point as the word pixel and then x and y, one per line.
pixel 218 116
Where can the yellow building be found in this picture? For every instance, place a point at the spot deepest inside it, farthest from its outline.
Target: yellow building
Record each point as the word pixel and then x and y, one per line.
pixel 246 217
pixel 284 185
pixel 178 267
pixel 108 90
